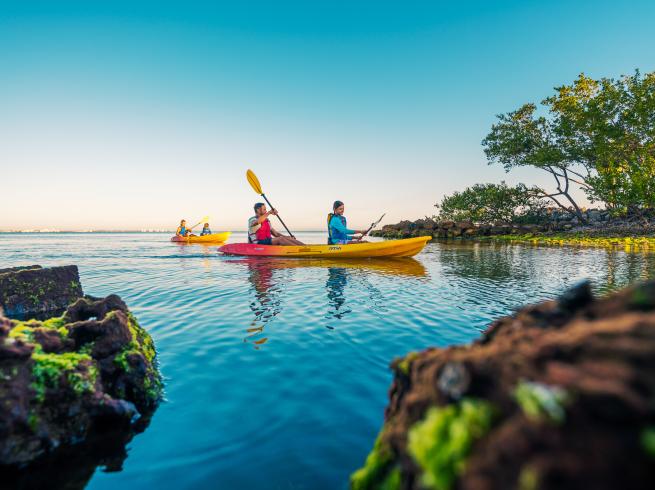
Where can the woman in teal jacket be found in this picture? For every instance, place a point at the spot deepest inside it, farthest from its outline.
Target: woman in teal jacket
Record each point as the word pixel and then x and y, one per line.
pixel 338 231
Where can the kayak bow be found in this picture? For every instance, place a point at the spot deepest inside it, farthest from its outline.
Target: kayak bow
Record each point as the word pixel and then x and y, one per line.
pixel 391 248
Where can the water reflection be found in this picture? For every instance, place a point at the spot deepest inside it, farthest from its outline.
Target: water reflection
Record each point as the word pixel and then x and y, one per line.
pixel 335 286
pixel 483 261
pixel 266 303
pixel 269 276
pixel 71 467
pixel 489 264
pixel 624 268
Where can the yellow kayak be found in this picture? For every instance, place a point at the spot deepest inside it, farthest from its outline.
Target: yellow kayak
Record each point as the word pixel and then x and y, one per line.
pixel 213 238
pixel 390 248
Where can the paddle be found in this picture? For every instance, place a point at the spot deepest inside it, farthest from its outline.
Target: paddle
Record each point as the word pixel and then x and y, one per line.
pixel 256 186
pixel 373 225
pixel 204 220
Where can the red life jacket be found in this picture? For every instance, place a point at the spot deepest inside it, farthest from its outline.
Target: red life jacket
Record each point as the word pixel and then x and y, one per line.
pixel 264 231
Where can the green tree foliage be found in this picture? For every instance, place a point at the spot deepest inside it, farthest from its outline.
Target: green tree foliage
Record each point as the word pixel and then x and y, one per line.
pixel 487 203
pixel 598 134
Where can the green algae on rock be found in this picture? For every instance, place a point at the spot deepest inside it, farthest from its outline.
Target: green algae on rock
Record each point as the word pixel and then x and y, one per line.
pixel 629 243
pixel 557 396
pixel 376 472
pixel 68 378
pixel 442 441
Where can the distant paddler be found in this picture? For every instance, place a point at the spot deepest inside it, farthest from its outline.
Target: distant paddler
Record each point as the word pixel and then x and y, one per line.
pixel 183 231
pixel 205 230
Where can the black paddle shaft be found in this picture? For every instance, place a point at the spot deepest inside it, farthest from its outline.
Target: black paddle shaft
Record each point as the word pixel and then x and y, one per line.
pixel 278 217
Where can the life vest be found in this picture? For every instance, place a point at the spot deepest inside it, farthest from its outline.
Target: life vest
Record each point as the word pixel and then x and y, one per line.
pixel 262 233
pixel 183 230
pixel 205 231
pixel 329 219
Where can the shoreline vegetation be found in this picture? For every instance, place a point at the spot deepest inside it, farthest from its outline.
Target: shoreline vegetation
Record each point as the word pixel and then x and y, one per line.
pixel 595 136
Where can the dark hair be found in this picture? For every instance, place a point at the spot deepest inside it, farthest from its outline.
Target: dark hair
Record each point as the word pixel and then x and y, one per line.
pixel 258 205
pixel 337 204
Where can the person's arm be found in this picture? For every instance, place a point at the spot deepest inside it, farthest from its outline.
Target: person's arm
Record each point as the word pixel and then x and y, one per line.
pixel 178 231
pixel 275 233
pixel 255 225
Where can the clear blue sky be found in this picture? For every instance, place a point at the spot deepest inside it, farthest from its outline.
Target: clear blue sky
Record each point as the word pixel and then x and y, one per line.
pixel 135 114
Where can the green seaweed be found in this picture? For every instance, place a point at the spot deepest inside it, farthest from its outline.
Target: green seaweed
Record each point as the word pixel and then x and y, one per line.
pixel 55 322
pixel 49 368
pixel 442 441
pixel 33 421
pixel 23 331
pixel 376 468
pixel 580 240
pixel 648 441
pixel 405 363
pixel 528 478
pixel 540 402
pixel 141 344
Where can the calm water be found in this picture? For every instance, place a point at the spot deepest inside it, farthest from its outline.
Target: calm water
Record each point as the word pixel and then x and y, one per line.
pixel 276 370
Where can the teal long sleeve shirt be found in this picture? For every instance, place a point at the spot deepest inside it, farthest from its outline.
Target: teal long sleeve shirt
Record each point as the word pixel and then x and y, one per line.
pixel 339 231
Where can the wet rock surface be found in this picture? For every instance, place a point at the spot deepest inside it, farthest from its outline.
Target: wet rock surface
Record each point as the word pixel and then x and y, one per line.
pixel 560 395
pixel 33 290
pixel 80 384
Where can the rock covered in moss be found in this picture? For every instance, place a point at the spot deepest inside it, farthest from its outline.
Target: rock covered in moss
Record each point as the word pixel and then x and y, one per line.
pixel 560 395
pixel 68 378
pixel 33 290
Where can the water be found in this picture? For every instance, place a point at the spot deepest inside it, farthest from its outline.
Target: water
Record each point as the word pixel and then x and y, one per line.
pixel 277 370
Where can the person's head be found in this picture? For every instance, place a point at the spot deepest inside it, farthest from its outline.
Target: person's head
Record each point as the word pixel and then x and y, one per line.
pixel 338 208
pixel 206 225
pixel 183 222
pixel 260 209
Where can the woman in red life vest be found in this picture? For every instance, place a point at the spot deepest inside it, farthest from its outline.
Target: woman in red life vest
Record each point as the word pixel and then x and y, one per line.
pixel 261 232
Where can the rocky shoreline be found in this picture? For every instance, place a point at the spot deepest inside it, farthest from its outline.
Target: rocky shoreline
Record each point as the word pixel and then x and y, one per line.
pixel 89 374
pixel 557 396
pixel 597 224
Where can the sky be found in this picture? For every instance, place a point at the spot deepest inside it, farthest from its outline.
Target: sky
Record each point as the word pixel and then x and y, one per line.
pixel 133 115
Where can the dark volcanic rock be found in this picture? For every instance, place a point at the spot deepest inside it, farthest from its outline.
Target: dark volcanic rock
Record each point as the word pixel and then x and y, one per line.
pixel 81 377
pixel 560 395
pixel 33 290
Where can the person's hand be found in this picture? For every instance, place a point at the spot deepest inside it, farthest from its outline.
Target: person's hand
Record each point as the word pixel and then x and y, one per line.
pixel 273 212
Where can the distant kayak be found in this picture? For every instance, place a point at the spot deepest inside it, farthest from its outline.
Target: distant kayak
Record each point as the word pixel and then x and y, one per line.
pixel 391 248
pixel 213 238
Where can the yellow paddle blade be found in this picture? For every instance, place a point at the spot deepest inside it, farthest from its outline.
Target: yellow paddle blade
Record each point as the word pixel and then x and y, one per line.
pixel 203 220
pixel 254 182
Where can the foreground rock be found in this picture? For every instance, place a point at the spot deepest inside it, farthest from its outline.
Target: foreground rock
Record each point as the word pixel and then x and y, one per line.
pixel 87 375
pixel 32 290
pixel 560 395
